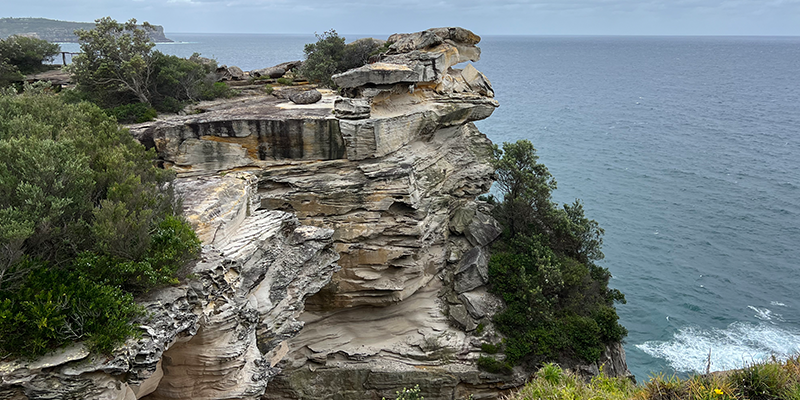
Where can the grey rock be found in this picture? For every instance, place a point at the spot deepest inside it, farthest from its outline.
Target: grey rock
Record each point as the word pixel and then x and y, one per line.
pixel 473 271
pixel 306 97
pixel 480 303
pixel 477 81
pixel 276 71
pixel 232 73
pixel 483 230
pixel 461 217
pixel 379 73
pixel 460 315
pixel 273 72
pixel 347 108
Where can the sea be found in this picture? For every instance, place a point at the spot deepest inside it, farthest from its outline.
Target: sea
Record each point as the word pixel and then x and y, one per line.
pixel 686 150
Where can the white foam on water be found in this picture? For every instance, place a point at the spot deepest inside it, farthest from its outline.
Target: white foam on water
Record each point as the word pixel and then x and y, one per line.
pixel 777 303
pixel 765 314
pixel 734 347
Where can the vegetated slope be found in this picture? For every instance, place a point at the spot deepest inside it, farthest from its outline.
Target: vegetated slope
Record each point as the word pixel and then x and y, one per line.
pixel 56 31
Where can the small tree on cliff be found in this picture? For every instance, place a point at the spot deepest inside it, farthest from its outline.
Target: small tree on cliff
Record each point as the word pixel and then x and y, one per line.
pixel 330 55
pixel 23 55
pixel 558 303
pixel 118 67
pixel 116 60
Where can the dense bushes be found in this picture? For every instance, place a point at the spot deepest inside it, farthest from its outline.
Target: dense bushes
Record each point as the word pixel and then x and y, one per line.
pixel 773 380
pixel 558 300
pixel 330 55
pixel 86 221
pixel 21 55
pixel 118 66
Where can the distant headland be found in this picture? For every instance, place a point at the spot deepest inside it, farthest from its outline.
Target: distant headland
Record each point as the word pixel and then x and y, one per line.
pixel 57 31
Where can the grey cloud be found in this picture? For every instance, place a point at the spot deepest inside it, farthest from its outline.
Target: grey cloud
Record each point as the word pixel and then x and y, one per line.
pixel 363 16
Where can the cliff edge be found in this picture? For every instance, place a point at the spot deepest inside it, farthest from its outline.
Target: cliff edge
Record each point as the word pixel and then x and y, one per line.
pixel 354 218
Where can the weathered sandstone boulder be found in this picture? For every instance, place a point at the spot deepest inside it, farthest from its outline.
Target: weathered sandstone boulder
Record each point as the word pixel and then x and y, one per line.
pixel 276 71
pixel 232 73
pixel 310 96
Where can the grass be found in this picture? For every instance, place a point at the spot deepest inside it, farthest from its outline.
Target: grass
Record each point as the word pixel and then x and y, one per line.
pixel 773 380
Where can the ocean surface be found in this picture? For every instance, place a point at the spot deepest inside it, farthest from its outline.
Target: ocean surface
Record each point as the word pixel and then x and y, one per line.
pixel 686 150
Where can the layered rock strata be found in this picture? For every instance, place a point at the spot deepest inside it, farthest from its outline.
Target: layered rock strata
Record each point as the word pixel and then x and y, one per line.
pixel 387 176
pixel 393 167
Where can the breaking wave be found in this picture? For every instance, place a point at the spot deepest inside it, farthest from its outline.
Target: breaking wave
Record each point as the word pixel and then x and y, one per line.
pixel 734 347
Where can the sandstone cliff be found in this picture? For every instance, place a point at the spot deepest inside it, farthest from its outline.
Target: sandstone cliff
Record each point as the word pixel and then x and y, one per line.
pixel 386 179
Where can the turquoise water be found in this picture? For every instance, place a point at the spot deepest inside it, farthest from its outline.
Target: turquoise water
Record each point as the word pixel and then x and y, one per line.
pixel 685 150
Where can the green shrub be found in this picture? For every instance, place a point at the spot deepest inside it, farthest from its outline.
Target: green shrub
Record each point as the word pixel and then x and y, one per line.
pixel 9 74
pixel 133 113
pixel 330 55
pixel 86 220
pixel 284 81
pixel 56 306
pixel 557 299
pixel 490 348
pixel 493 365
pixel 268 89
pixel 27 53
pixel 216 90
pixel 118 66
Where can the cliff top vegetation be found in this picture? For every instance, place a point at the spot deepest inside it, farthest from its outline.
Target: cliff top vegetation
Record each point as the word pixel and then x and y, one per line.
pixel 20 55
pixel 773 380
pixel 558 304
pixel 330 55
pixel 86 222
pixel 118 70
pixel 52 30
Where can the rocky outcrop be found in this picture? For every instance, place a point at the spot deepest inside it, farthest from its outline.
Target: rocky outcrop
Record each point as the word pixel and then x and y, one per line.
pixel 385 177
pixel 276 71
pixel 393 167
pixel 217 335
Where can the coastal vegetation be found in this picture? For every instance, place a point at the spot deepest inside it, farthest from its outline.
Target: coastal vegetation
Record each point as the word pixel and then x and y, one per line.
pixel 330 55
pixel 558 304
pixel 86 223
pixel 118 67
pixel 20 55
pixel 52 30
pixel 772 380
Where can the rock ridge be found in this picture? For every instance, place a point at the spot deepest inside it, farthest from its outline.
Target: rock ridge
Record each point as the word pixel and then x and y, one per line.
pixel 355 218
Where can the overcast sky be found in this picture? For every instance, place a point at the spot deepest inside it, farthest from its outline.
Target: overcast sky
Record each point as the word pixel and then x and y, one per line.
pixel 532 17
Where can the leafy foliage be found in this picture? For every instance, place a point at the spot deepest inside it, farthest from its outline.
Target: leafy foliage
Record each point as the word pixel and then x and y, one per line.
pixel 774 380
pixel 558 300
pixel 330 55
pixel 81 205
pixel 118 66
pixel 23 55
pixel 133 113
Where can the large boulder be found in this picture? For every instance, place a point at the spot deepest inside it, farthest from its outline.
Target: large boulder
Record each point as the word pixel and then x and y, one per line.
pixel 232 73
pixel 306 97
